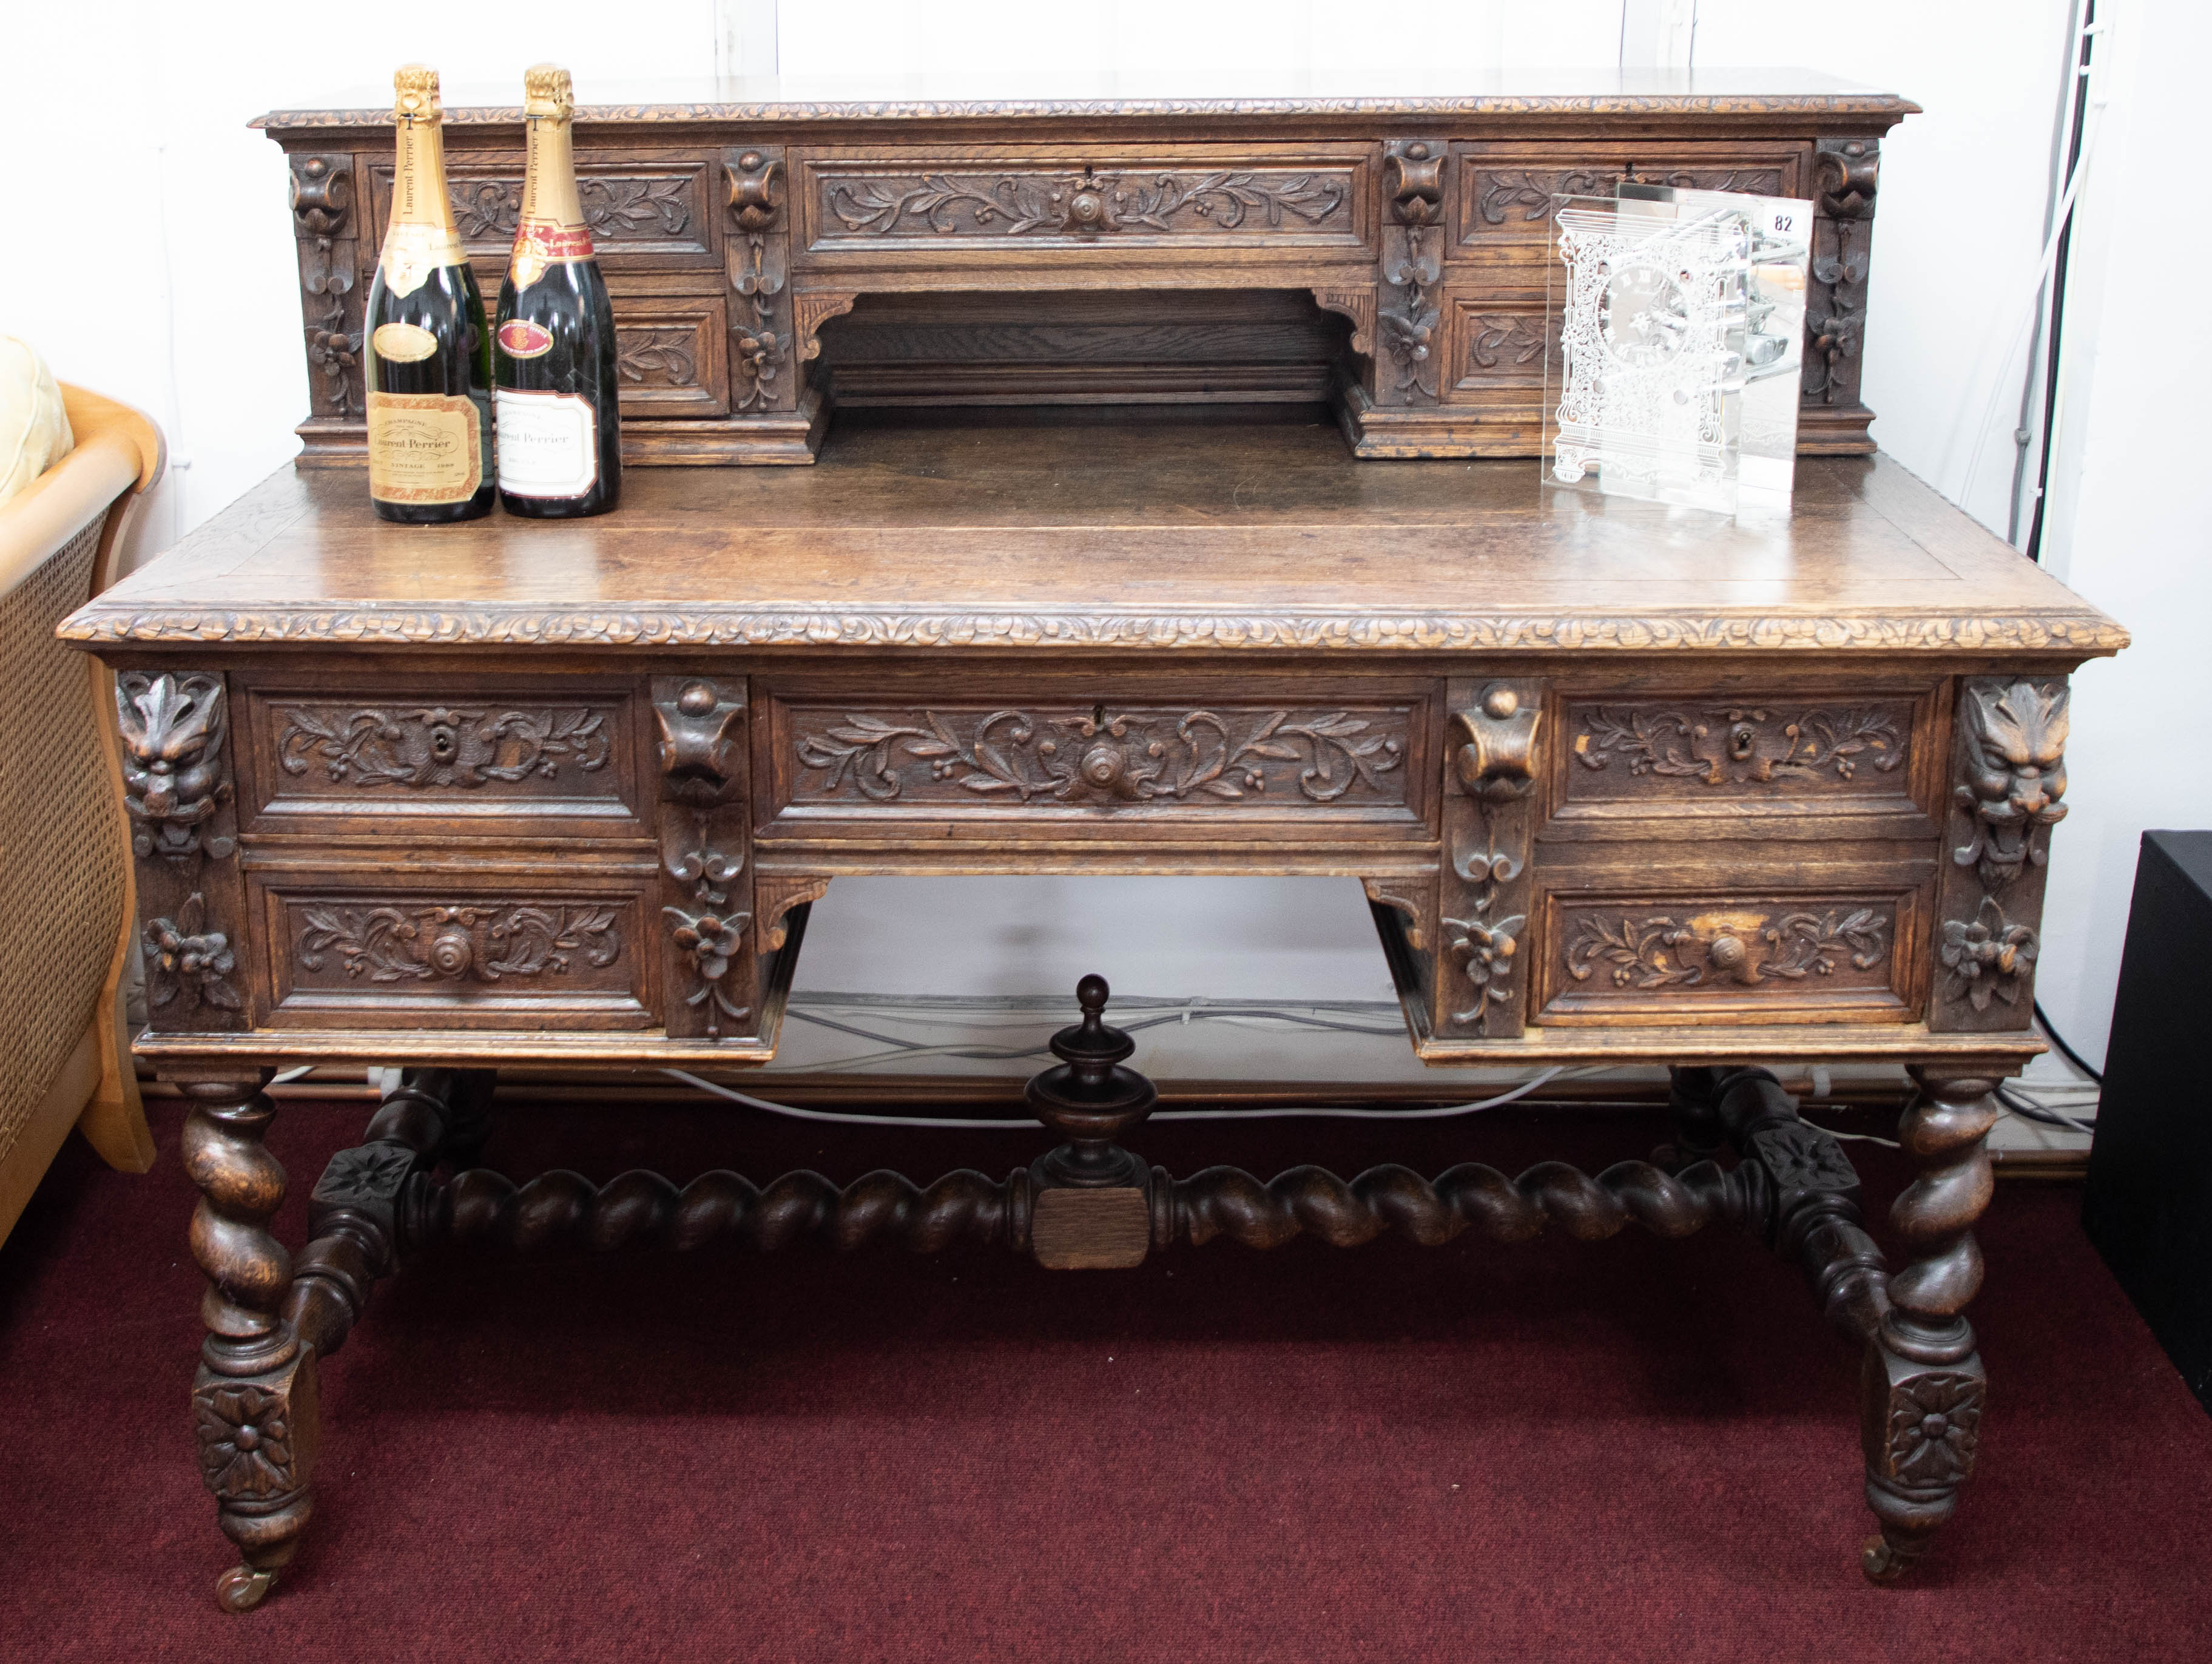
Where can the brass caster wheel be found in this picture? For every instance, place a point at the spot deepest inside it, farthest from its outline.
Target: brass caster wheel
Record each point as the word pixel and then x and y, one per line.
pixel 242 1588
pixel 1881 1563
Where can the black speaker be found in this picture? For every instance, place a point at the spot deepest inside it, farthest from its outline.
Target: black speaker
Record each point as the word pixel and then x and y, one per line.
pixel 2149 1204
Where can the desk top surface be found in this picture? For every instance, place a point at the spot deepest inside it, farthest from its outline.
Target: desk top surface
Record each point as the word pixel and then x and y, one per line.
pixel 1208 88
pixel 1161 537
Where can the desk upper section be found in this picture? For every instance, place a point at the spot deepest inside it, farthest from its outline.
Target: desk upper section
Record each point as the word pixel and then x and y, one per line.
pixel 1166 538
pixel 773 248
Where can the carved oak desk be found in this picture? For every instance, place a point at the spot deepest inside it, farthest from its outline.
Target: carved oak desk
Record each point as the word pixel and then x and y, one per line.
pixel 1622 783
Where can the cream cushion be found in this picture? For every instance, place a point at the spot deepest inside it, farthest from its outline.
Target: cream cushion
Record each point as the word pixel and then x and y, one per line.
pixel 34 428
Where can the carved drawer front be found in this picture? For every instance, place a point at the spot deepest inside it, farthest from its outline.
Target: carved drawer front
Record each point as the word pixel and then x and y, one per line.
pixel 505 762
pixel 1753 956
pixel 1506 191
pixel 669 355
pixel 652 212
pixel 1497 343
pixel 858 205
pixel 1734 764
pixel 1061 761
pixel 520 952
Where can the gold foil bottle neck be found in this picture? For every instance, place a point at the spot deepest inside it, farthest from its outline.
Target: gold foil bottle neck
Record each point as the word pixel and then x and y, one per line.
pixel 415 95
pixel 546 92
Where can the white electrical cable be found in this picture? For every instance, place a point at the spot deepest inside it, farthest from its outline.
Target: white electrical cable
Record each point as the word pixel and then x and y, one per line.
pixel 2060 220
pixel 1005 1122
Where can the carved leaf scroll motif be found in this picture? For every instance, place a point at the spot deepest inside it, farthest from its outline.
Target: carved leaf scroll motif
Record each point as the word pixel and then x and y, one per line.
pixel 1103 758
pixel 439 746
pixel 1525 196
pixel 1739 744
pixel 390 944
pixel 1513 338
pixel 615 207
pixel 1086 204
pixel 1666 951
pixel 665 356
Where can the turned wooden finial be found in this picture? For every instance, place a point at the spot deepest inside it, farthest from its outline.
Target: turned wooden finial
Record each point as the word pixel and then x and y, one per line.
pixel 1090 1100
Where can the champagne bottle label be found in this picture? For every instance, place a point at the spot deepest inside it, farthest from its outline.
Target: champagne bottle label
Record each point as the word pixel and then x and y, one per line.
pixel 543 244
pixel 548 443
pixel 423 447
pixel 520 338
pixel 413 251
pixel 404 344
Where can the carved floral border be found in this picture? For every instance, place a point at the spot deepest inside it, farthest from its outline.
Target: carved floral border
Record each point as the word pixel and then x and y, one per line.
pixel 712 627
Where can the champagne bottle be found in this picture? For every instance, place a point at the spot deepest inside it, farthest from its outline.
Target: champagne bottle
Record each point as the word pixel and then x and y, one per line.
pixel 429 357
pixel 559 438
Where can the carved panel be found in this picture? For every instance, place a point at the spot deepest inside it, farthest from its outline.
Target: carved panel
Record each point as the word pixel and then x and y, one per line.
pixel 709 956
pixel 639 211
pixel 457 749
pixel 412 943
pixel 1408 320
pixel 1491 814
pixel 1508 192
pixel 671 355
pixel 1932 1424
pixel 460 746
pixel 1659 751
pixel 332 293
pixel 1495 346
pixel 2008 777
pixel 385 957
pixel 249 1448
pixel 1846 172
pixel 1674 954
pixel 174 732
pixel 764 373
pixel 1079 203
pixel 1243 759
pixel 1802 1157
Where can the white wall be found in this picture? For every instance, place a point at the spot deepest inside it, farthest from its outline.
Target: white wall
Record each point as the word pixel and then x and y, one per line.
pixel 133 115
pixel 2131 513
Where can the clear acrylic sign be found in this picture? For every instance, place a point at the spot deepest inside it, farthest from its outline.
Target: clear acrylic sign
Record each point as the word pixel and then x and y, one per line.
pixel 1681 318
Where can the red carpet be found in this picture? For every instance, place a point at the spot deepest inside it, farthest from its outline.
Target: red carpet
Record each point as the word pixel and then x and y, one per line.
pixel 1635 1450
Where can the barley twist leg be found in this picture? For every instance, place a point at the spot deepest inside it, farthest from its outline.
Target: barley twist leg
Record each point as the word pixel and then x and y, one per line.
pixel 1924 1383
pixel 253 1400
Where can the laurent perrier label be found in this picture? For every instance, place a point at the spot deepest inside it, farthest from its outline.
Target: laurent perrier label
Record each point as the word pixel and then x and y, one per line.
pixel 548 444
pixel 424 447
pixel 428 363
